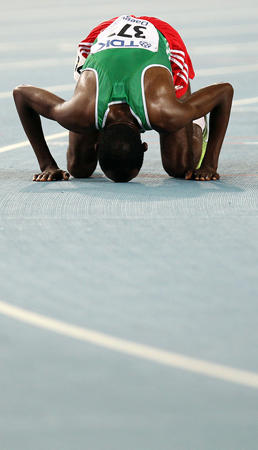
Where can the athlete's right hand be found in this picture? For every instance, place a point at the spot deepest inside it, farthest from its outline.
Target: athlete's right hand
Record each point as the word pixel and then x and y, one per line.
pixel 51 174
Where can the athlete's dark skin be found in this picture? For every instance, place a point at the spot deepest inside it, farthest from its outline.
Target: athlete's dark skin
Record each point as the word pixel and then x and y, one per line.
pixel 172 119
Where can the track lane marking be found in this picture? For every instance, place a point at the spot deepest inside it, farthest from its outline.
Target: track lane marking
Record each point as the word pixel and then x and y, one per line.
pixel 245 101
pixel 58 88
pixel 36 63
pixel 246 47
pixel 243 68
pixel 50 137
pixel 131 348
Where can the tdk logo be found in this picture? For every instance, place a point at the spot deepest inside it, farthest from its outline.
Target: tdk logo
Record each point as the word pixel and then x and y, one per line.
pixel 116 43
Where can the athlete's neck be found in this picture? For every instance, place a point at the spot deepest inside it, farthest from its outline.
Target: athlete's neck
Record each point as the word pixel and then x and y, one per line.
pixel 120 113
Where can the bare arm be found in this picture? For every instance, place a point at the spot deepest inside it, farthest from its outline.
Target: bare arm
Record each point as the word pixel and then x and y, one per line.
pixel 218 99
pixel 168 115
pixel 31 102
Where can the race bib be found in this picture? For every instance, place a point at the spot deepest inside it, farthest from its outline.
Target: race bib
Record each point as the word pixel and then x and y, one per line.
pixel 127 32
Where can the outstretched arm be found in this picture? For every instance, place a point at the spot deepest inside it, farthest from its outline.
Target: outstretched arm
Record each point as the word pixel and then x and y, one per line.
pixel 31 102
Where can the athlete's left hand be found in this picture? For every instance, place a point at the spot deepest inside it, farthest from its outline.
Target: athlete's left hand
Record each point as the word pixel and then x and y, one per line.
pixel 203 174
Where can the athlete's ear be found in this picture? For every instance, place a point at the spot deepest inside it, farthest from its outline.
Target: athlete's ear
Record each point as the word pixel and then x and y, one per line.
pixel 96 147
pixel 145 146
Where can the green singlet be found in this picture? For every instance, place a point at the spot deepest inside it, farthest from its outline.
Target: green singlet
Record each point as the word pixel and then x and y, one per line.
pixel 119 77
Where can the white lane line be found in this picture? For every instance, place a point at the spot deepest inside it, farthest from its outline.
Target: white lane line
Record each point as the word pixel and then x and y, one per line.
pixel 146 352
pixel 245 101
pixel 36 63
pixel 227 70
pixel 7 94
pixel 50 137
pixel 224 30
pixel 6 47
pixel 54 89
pixel 248 47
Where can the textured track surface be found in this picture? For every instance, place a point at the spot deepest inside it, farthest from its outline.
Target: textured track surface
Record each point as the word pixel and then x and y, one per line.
pixel 161 262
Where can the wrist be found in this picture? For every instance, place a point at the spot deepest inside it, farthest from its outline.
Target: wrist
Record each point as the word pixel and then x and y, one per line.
pixel 48 165
pixel 208 161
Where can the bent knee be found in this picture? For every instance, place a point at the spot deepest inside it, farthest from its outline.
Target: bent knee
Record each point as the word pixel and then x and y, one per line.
pixel 177 171
pixel 78 171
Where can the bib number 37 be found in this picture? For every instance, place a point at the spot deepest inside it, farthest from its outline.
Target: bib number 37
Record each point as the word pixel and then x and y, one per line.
pixel 138 32
pixel 121 34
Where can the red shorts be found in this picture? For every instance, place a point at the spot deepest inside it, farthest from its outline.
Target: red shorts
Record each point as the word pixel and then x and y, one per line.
pixel 181 64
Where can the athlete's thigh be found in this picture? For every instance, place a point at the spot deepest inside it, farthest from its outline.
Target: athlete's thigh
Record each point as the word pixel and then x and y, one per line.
pixel 176 148
pixel 176 151
pixel 82 157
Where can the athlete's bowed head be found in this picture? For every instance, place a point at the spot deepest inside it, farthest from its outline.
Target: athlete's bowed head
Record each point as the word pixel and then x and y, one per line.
pixel 121 151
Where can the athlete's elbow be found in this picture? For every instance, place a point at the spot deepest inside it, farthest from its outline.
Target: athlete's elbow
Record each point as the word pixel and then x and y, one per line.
pixel 230 90
pixel 21 89
pixel 226 91
pixel 20 95
pixel 227 86
pixel 18 91
pixel 169 123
